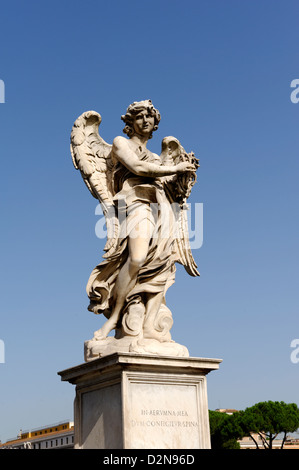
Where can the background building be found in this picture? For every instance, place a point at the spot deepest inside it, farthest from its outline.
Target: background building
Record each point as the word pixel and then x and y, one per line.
pixel 59 435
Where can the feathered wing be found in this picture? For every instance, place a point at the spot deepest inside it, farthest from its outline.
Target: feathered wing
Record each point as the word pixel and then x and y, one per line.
pixel 178 189
pixel 183 245
pixel 93 157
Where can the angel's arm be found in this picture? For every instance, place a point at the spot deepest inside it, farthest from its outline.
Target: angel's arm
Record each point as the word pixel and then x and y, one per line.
pixel 127 157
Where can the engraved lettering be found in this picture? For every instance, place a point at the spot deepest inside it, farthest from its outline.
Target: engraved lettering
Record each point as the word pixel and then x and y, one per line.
pixel 154 412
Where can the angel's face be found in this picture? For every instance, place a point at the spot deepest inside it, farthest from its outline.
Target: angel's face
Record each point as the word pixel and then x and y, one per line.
pixel 144 123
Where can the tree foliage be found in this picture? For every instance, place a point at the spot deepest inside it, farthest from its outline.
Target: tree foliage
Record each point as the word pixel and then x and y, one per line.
pixel 265 419
pixel 268 419
pixel 225 430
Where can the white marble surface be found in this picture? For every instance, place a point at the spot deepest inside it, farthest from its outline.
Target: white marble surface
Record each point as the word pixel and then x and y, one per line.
pixel 133 401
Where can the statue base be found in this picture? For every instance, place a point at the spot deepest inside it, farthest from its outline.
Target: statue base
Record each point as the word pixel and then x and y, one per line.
pixel 137 401
pixel 94 349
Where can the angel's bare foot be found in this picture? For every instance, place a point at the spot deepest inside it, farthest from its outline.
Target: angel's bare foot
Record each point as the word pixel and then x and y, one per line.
pixel 103 332
pixel 98 335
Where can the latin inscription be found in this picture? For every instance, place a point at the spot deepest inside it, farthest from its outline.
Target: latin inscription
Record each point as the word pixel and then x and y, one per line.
pixel 164 418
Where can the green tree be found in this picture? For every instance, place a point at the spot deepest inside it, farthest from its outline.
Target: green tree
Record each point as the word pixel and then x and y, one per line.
pixel 290 420
pixel 268 419
pixel 225 430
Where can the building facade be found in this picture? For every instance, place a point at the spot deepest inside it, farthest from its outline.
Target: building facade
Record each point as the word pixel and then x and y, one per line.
pixel 56 436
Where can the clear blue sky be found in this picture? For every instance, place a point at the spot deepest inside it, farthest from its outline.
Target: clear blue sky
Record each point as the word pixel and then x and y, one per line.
pixel 219 71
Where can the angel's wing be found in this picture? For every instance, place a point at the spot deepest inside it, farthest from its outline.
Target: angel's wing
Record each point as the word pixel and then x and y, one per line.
pixel 92 156
pixel 178 189
pixel 182 242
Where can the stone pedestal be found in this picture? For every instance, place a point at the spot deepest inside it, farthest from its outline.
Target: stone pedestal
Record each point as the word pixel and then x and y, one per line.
pixel 133 401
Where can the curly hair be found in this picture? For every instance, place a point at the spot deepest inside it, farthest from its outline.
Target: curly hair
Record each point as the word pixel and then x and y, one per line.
pixel 133 110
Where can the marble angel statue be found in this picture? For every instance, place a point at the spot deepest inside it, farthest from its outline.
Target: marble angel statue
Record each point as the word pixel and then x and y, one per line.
pixel 142 196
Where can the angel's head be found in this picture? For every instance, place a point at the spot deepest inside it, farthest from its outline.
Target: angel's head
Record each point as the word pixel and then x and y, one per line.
pixel 136 109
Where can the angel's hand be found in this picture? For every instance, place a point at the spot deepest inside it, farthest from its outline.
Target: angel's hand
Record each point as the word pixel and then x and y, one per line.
pixel 182 167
